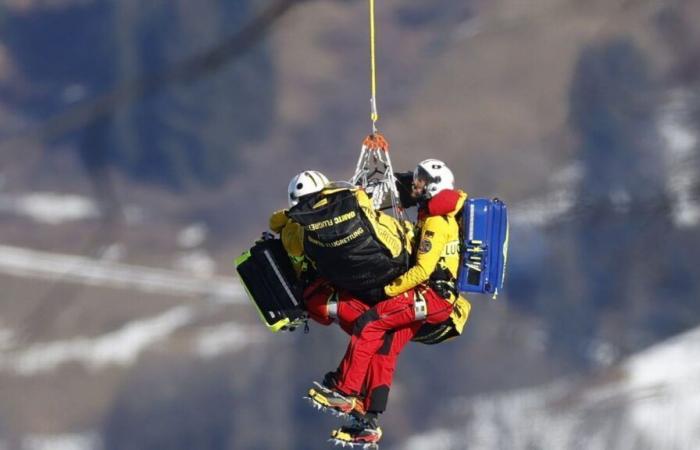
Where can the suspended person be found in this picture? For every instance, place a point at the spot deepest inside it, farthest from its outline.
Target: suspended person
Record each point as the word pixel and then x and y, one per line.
pixel 423 305
pixel 333 228
pixel 324 301
pixel 350 243
pixel 291 233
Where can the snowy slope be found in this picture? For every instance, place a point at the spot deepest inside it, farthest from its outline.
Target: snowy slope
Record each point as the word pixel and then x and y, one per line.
pixel 26 263
pixel 650 401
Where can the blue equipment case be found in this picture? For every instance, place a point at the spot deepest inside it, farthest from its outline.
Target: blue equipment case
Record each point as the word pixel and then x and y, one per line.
pixel 484 246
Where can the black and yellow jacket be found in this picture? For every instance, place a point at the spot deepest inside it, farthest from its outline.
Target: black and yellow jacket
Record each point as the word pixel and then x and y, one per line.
pixel 351 244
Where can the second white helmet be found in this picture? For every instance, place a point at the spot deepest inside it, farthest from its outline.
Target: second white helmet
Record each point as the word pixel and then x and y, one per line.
pixel 305 183
pixel 436 175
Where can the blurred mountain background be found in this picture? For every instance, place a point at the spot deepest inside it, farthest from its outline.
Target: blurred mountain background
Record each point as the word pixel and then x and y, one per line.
pixel 143 146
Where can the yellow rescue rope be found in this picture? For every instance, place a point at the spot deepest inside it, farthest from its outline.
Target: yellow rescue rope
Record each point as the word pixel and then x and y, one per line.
pixel 373 67
pixel 374 172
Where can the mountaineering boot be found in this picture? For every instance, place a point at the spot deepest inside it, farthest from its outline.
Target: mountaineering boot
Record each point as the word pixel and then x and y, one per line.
pixel 330 380
pixel 329 397
pixel 364 431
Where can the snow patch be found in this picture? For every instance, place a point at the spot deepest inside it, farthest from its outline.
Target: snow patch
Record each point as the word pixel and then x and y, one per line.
pixel 468 29
pixel 7 338
pixel 542 211
pixel 652 400
pixel 672 360
pixel 669 376
pixel 192 236
pixel 214 341
pixel 439 439
pixel 555 204
pixel 113 252
pixel 121 347
pixel 602 353
pixel 22 262
pixel 681 153
pixel 50 207
pixel 198 263
pixel 76 441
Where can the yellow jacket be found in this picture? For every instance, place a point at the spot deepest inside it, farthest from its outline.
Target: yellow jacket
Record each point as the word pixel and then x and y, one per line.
pixel 438 246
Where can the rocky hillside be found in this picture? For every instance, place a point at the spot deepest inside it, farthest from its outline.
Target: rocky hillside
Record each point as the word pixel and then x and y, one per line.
pixel 648 401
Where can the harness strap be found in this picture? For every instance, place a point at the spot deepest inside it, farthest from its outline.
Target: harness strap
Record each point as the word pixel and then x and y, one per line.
pixel 420 306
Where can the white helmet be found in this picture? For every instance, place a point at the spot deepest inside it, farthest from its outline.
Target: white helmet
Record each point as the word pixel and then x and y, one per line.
pixel 436 175
pixel 305 183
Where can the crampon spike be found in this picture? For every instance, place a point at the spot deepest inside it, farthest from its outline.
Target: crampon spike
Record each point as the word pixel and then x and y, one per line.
pixel 324 409
pixel 339 442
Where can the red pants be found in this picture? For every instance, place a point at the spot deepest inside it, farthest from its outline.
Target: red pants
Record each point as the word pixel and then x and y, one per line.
pixel 392 320
pixel 349 309
pixel 378 335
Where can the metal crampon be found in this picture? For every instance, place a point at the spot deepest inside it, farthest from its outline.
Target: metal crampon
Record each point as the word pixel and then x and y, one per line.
pixel 325 409
pixel 322 398
pixel 363 446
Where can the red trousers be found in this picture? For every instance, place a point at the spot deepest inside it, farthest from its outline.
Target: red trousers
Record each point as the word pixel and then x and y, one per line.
pixel 378 335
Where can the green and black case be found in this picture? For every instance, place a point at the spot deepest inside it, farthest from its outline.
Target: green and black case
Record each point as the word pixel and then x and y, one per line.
pixel 268 276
